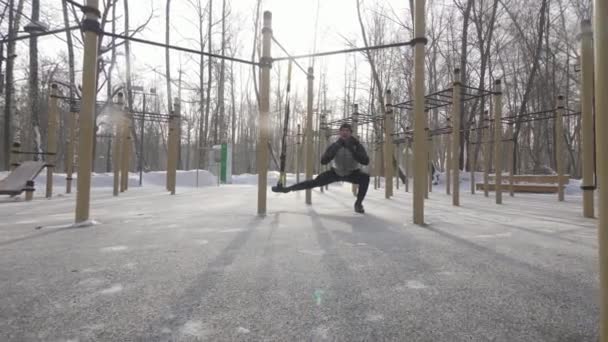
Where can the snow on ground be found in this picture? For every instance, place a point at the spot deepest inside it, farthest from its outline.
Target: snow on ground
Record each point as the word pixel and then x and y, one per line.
pixel 201 265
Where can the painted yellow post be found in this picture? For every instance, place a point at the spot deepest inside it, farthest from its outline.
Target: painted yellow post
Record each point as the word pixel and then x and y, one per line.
pixel 487 161
pixel 559 146
pixel 87 112
pixel 51 143
pixel 69 155
pixel 511 167
pixel 124 142
pixel 448 161
pixel 355 187
pixel 498 141
pixel 116 158
pixel 298 153
pixel 310 160
pixel 456 138
pixel 601 125
pixel 264 126
pixel 419 115
pixel 388 145
pixel 587 70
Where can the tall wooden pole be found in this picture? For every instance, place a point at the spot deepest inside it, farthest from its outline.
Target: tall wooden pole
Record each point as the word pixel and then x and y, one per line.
pixel 355 187
pixel 419 117
pixel 587 70
pixel 498 141
pixel 559 147
pixel 487 161
pixel 601 125
pixel 298 153
pixel 429 148
pixel 471 158
pixel 87 111
pixel 264 126
pixel 116 157
pixel 310 160
pixel 406 157
pixel 510 153
pixel 69 155
pixel 456 138
pixel 51 147
pixel 388 145
pixel 125 141
pixel 176 123
pixel 448 160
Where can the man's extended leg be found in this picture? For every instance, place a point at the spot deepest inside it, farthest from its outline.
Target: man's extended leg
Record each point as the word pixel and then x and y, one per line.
pixel 362 179
pixel 322 179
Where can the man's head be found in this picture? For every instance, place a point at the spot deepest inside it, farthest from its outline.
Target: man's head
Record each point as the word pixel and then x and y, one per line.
pixel 346 131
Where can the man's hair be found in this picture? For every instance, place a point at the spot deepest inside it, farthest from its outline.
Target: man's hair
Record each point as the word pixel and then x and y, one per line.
pixel 347 125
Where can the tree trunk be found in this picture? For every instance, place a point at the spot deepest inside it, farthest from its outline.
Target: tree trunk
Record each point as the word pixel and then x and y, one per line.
pixel 221 86
pixel 210 64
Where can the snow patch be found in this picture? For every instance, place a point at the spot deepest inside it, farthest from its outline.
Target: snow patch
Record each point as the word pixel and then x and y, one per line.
pixel 130 265
pixel 321 333
pixel 490 236
pixel 371 317
pixel 201 242
pixel 242 330
pixel 415 284
pixel 166 330
pixel 194 328
pixel 113 289
pixel 91 282
pixel 114 249
pixel 315 252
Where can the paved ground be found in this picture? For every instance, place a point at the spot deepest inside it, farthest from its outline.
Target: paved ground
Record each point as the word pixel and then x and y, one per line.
pixel 200 267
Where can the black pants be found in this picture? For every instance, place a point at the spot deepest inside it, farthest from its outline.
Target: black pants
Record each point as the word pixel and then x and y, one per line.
pixel 328 177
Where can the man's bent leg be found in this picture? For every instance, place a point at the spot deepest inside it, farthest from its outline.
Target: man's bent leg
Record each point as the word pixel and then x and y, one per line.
pixel 362 179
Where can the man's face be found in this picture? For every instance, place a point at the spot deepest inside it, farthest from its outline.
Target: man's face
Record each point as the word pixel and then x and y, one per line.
pixel 345 133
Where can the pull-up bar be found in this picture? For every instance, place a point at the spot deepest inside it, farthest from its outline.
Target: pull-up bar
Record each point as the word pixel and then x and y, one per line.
pixel 359 49
pixel 179 48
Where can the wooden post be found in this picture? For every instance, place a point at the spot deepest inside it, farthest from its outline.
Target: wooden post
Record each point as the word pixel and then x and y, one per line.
pixel 116 158
pixel 498 141
pixel 398 161
pixel 264 126
pixel 407 164
pixel 587 71
pixel 355 187
pixel 511 167
pixel 419 112
pixel 174 127
pixel 448 160
pixel 298 153
pixel 51 148
pixel 430 147
pixel 69 155
pixel 388 145
pixel 309 134
pixel 559 146
pixel 486 153
pixel 456 138
pixel 471 158
pixel 15 156
pixel 125 140
pixel 87 111
pixel 601 125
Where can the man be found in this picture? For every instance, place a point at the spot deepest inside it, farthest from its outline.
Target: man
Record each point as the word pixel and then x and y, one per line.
pixel 348 155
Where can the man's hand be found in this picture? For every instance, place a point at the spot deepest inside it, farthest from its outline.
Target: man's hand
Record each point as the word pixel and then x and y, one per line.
pixel 351 143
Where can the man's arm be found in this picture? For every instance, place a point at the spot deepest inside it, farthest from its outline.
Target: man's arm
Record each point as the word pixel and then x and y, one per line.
pixel 330 153
pixel 358 151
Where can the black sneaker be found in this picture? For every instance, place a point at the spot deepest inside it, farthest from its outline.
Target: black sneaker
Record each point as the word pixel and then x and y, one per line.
pixel 280 188
pixel 359 208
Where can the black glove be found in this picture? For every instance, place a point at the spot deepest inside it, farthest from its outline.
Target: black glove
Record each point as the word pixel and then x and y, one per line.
pixel 351 144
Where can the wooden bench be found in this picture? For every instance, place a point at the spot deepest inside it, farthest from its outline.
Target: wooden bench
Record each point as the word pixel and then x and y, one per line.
pixel 519 187
pixel 22 179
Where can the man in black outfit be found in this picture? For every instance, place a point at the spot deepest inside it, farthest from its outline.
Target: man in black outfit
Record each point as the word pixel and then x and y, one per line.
pixel 348 155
